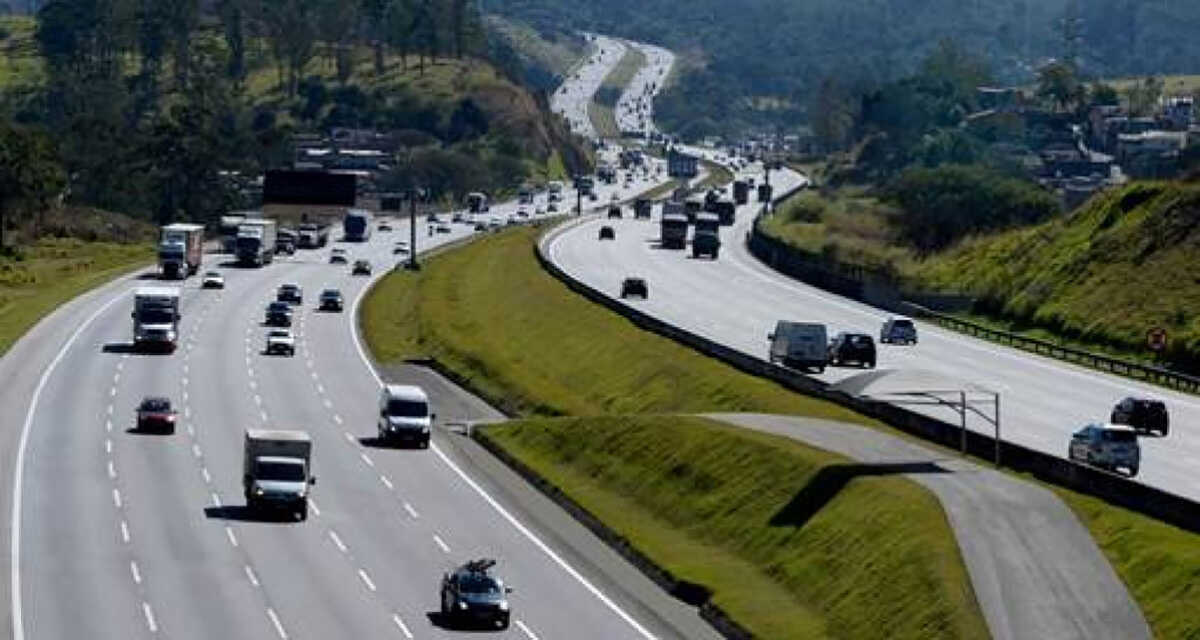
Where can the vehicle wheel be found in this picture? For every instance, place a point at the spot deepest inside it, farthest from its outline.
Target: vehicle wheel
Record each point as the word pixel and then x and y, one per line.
pixel 302 512
pixel 425 443
pixel 871 364
pixel 504 624
pixel 1164 431
pixel 1133 471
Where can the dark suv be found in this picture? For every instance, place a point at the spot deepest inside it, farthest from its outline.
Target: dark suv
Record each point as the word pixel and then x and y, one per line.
pixel 331 300
pixel 607 233
pixel 155 414
pixel 635 287
pixel 472 594
pixel 279 314
pixel 858 348
pixel 1143 414
pixel 290 293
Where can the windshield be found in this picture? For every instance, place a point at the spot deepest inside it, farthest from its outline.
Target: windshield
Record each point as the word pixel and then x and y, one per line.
pixel 249 242
pixel 279 306
pixel 281 471
pixel 171 251
pixel 479 584
pixel 280 334
pixel 407 409
pixel 902 324
pixel 329 293
pixel 156 404
pixel 1119 436
pixel 156 316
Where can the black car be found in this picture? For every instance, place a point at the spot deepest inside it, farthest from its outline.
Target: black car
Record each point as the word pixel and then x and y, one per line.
pixel 290 293
pixel 858 348
pixel 279 314
pixel 473 594
pixel 361 268
pixel 635 287
pixel 331 300
pixel 338 256
pixel 384 227
pixel 155 414
pixel 1143 414
pixel 614 211
pixel 607 233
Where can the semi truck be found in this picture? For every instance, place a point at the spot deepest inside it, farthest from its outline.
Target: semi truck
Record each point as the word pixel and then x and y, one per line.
pixel 277 471
pixel 312 235
pixel 674 231
pixel 478 202
pixel 799 345
pixel 741 192
pixel 356 225
pixel 256 242
pixel 706 241
pixel 155 318
pixel 642 208
pixel 724 208
pixel 180 250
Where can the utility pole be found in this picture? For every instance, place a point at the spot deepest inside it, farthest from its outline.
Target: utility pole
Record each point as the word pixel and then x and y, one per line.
pixel 412 230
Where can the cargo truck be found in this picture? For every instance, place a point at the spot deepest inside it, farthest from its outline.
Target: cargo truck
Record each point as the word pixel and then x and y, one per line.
pixel 256 242
pixel 674 231
pixel 356 225
pixel 180 250
pixel 312 235
pixel 478 202
pixel 799 345
pixel 724 208
pixel 691 207
pixel 155 318
pixel 277 471
pixel 706 241
pixel 642 208
pixel 741 192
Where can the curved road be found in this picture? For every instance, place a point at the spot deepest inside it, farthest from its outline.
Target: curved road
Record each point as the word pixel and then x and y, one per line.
pixel 572 98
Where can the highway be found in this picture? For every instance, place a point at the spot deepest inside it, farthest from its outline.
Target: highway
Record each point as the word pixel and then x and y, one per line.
pixel 635 108
pixel 123 534
pixel 572 98
pixel 736 300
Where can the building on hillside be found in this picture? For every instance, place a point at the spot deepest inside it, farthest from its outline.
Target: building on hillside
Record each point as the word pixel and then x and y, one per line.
pixel 1151 154
pixel 682 165
pixel 1178 113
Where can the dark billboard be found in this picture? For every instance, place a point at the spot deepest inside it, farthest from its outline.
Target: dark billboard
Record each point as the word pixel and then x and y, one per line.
pixel 309 187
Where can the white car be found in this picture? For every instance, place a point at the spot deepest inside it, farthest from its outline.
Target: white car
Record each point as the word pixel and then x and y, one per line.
pixel 1107 446
pixel 213 280
pixel 281 341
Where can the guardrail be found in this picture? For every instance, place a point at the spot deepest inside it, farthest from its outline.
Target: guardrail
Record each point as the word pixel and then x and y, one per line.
pixel 1136 370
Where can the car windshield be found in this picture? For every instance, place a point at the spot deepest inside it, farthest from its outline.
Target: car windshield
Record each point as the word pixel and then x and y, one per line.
pixel 902 324
pixel 482 584
pixel 281 471
pixel 407 409
pixel 280 334
pixel 279 306
pixel 331 293
pixel 156 404
pixel 860 341
pixel 156 316
pixel 289 288
pixel 213 274
pixel 1118 436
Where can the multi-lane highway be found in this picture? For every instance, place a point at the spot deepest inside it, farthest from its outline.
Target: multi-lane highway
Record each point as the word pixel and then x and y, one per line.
pixel 635 108
pixel 572 98
pixel 123 534
pixel 736 300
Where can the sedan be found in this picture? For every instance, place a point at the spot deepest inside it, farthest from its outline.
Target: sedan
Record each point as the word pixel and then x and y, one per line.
pixel 281 342
pixel 213 280
pixel 361 268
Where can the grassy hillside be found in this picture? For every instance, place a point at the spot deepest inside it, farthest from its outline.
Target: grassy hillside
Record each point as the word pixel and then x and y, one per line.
pixel 719 506
pixel 19 60
pixel 545 58
pixel 1106 273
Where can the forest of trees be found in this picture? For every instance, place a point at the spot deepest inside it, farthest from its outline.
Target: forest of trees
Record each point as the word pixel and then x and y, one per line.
pixel 758 61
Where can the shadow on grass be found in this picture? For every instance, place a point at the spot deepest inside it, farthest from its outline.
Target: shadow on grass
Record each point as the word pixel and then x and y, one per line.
pixel 830 481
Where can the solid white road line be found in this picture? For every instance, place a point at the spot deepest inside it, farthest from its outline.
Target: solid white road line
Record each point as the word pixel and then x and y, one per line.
pixel 526 630
pixel 400 624
pixel 278 625
pixel 362 574
pixel 441 543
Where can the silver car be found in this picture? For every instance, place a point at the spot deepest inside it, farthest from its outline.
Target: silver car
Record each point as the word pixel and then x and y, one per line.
pixel 1107 446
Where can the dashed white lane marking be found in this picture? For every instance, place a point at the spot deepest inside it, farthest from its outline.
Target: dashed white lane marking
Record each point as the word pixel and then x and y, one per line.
pixel 151 623
pixel 191 429
pixel 310 364
pixel 441 543
pixel 312 506
pixel 337 541
pixel 124 532
pixel 386 482
pixel 232 538
pixel 258 399
pixel 362 574
pixel 328 404
pixel 185 381
pixel 320 389
pixel 110 409
pixel 187 412
pixel 278 625
pixel 116 378
pixel 250 576
pixel 411 511
pixel 337 418
pixel 121 363
pixel 133 569
pixel 196 450
pixel 367 459
pixel 112 392
pixel 108 425
pixel 264 415
pixel 216 499
pixel 349 437
pixel 314 375
pixel 112 470
pixel 185 395
pixel 400 624
pixel 253 385
pixel 107 445
pixel 205 474
pixel 526 630
pixel 116 494
pixel 250 372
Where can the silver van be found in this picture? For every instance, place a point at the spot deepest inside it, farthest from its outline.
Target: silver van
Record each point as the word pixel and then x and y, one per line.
pixel 405 415
pixel 799 345
pixel 898 329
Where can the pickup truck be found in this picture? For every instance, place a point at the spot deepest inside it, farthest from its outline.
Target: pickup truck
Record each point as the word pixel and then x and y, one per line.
pixel 277 471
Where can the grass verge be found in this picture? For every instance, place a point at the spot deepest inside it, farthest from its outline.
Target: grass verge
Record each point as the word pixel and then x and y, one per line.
pixel 53 271
pixel 717 176
pixel 724 507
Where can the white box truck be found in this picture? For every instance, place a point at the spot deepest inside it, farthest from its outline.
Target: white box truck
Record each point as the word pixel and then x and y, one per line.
pixel 155 318
pixel 799 345
pixel 256 242
pixel 180 250
pixel 277 471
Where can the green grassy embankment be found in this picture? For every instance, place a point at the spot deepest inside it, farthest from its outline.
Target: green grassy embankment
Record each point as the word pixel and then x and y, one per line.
pixel 602 108
pixel 50 272
pixel 725 508
pixel 492 315
pixel 20 62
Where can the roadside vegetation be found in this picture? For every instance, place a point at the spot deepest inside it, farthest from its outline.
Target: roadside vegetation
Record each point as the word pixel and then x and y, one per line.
pixel 727 508
pixel 602 109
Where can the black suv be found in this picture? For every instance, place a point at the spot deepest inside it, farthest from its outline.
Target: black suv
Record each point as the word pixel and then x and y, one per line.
pixel 361 268
pixel 607 233
pixel 614 211
pixel 635 287
pixel 290 293
pixel 331 300
pixel 1143 414
pixel 858 348
pixel 279 314
pixel 472 594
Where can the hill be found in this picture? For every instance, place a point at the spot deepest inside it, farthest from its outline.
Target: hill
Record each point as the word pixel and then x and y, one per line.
pixel 1106 273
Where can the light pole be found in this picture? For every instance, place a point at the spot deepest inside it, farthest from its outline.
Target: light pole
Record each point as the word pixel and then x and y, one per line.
pixel 412 230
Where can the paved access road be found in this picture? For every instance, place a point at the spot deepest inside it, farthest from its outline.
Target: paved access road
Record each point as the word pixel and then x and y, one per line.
pixel 572 98
pixel 125 535
pixel 736 300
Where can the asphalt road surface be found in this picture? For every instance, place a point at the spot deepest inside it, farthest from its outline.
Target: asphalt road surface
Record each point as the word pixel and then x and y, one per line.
pixel 635 108
pixel 572 98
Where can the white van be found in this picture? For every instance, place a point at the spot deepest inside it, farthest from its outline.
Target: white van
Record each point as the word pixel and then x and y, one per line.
pixel 405 415
pixel 800 345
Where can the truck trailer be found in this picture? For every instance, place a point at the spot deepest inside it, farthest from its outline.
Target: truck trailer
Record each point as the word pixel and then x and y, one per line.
pixel 277 471
pixel 356 225
pixel 741 192
pixel 706 241
pixel 180 250
pixel 155 318
pixel 674 231
pixel 256 242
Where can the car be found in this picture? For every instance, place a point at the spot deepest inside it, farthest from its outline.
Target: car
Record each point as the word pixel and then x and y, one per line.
pixel 471 593
pixel 593 197
pixel 155 414
pixel 541 211
pixel 384 227
pixel 521 213
pixel 443 228
pixel 481 226
pixel 400 248
pixel 281 341
pixel 279 314
pixel 213 280
pixel 338 256
pixel 607 233
pixel 858 348
pixel 458 218
pixel 614 212
pixel 331 300
pixel 614 197
pixel 1106 446
pixel 633 286
pixel 361 268
pixel 898 329
pixel 552 207
pixel 1145 415
pixel 290 293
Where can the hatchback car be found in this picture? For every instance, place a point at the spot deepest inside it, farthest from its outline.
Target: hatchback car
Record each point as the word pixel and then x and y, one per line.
pixel 155 414
pixel 1107 446
pixel 290 293
pixel 614 211
pixel 361 268
pixel 857 348
pixel 472 593
pixel 279 314
pixel 281 342
pixel 338 256
pixel 635 287
pixel 1143 414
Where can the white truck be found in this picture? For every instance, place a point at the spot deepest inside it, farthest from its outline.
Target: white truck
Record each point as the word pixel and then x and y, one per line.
pixel 256 242
pixel 155 318
pixel 799 345
pixel 180 250
pixel 277 471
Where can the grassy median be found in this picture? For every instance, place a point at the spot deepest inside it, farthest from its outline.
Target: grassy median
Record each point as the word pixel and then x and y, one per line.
pixel 726 508
pixel 53 271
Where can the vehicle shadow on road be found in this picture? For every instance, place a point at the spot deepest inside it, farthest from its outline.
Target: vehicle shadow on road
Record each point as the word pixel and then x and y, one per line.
pixel 242 513
pixel 443 621
pixel 128 348
pixel 375 442
pixel 829 482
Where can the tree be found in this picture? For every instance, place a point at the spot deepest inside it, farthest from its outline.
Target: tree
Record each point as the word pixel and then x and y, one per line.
pixel 31 175
pixel 1057 82
pixel 1104 94
pixel 292 30
pixel 832 114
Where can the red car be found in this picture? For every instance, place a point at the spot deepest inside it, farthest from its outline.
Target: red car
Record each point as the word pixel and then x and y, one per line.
pixel 156 414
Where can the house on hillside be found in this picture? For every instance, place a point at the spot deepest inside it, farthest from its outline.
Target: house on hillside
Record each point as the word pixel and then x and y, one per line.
pixel 1151 154
pixel 1178 113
